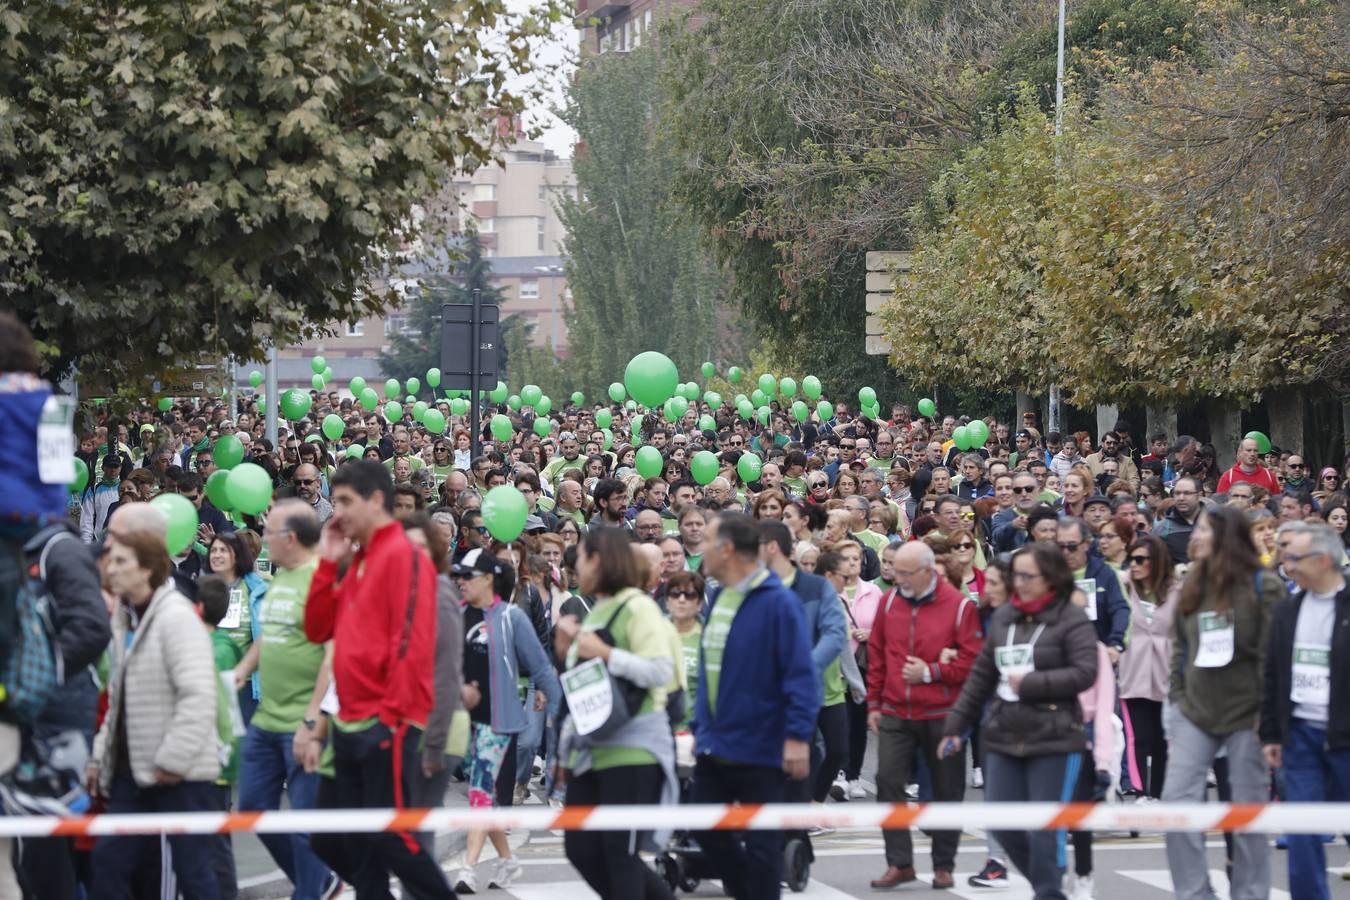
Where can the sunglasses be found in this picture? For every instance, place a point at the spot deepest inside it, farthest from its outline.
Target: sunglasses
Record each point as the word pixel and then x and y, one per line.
pixel 304 481
pixel 965 545
pixel 1025 489
pixel 1140 560
pixel 1070 547
pixel 685 595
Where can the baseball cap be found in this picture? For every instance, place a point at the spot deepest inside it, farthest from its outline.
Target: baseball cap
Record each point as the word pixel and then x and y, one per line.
pixel 1096 498
pixel 147 427
pixel 477 562
pixel 534 523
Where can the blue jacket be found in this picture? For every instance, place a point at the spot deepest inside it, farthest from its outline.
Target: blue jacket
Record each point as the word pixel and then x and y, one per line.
pixel 824 617
pixel 23 496
pixel 769 690
pixel 257 589
pixel 515 652
pixel 1113 612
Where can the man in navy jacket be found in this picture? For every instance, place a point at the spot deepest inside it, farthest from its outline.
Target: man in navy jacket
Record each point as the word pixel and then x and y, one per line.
pixel 758 698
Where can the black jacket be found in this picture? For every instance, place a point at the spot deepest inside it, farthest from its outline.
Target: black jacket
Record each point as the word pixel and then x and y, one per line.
pixel 1276 707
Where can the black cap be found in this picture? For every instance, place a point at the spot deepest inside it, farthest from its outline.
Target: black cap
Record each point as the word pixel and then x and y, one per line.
pixel 1096 498
pixel 477 562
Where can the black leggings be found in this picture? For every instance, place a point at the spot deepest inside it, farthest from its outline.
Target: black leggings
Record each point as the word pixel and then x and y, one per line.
pixel 833 724
pixel 857 738
pixel 1083 790
pixel 609 860
pixel 1146 744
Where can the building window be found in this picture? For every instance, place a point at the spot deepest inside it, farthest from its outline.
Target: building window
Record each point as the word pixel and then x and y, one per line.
pixel 540 230
pixel 356 329
pixel 397 323
pixel 484 192
pixel 647 20
pixel 487 225
pixel 634 35
pixel 529 290
pixel 543 192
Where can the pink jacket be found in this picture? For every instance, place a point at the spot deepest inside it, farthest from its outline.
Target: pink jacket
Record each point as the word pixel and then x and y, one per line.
pixel 863 609
pixel 1101 697
pixel 1146 664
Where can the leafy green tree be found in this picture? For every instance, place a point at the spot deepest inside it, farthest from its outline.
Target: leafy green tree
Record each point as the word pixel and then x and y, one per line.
pixel 203 175
pixel 637 268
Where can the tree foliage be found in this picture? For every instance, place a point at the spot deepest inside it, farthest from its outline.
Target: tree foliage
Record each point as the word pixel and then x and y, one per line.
pixel 197 175
pixel 637 268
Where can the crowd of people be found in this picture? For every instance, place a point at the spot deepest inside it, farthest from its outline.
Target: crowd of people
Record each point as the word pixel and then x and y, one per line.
pixel 1034 617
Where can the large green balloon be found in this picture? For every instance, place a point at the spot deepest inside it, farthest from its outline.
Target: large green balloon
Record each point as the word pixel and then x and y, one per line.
pixel 708 370
pixel 333 426
pixel 459 406
pixel 763 414
pixel 759 397
pixel 356 386
pixel 707 423
pixel 679 405
pixel 413 385
pixel 617 392
pixel 787 387
pixel 768 384
pixel 165 404
pixel 824 410
pixel 748 467
pixel 255 378
pixel 434 377
pixel 543 407
pixel 530 394
pixel 229 452
pixel 811 387
pixel 867 396
pixel 690 392
pixel 543 426
pixel 504 512
pixel 392 411
pixel 604 418
pixel 249 488
pixel 499 393
pixel 514 401
pixel 501 427
pixel 392 389
pixel 578 398
pixel 927 407
pixel 215 490
pixel 295 404
pixel 316 381
pixel 651 378
pixel 704 466
pixel 961 437
pixel 1262 442
pixel 180 519
pixel 419 410
pixel 316 365
pixel 734 374
pixel 713 399
pixel 434 420
pixel 369 399
pixel 978 430
pixel 81 476
pixel 800 411
pixel 649 462
pixel 745 409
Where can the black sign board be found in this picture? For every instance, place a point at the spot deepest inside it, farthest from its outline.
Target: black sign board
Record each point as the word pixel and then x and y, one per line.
pixel 457 334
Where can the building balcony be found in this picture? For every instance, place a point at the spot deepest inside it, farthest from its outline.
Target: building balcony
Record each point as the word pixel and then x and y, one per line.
pixel 604 9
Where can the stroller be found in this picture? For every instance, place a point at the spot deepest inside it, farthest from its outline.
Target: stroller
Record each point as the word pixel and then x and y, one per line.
pixel 682 865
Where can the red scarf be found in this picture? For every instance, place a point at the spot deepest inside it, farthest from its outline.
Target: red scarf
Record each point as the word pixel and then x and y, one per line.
pixel 1033 605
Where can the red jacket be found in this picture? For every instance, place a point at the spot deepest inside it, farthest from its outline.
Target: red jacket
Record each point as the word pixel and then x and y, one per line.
pixel 924 628
pixel 366 612
pixel 1262 477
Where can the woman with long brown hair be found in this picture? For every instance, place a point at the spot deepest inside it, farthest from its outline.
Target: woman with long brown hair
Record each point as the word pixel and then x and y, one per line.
pixel 1218 648
pixel 1145 666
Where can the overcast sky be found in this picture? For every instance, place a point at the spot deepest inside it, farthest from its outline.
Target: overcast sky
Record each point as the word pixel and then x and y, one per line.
pixel 557 136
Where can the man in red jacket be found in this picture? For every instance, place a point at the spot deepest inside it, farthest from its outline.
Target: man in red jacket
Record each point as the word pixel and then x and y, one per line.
pixel 374 595
pixel 1248 468
pixel 909 692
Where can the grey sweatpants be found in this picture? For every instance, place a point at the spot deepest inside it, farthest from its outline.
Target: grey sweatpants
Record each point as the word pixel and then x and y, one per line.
pixel 1190 754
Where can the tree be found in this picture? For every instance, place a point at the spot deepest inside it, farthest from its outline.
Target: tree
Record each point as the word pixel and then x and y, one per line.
pixel 210 176
pixel 418 347
pixel 639 274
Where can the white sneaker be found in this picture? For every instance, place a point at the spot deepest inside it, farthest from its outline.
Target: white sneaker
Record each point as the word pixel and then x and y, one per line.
pixel 839 788
pixel 977 777
pixel 518 796
pixel 466 882
pixel 912 791
pixel 1068 883
pixel 506 871
pixel 1082 889
pixel 1144 801
pixel 855 790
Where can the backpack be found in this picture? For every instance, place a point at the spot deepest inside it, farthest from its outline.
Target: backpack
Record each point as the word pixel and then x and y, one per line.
pixel 33 671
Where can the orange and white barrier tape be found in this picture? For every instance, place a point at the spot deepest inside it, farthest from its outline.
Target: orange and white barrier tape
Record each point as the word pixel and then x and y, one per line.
pixel 1309 818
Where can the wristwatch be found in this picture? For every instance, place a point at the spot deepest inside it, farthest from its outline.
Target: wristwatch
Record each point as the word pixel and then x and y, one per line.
pixel 311 724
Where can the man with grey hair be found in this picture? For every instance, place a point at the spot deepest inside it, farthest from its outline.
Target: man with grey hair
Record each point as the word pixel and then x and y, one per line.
pixel 1307 674
pixel 1106 604
pixel 307 485
pixel 910 692
pixel 972 484
pixel 859 509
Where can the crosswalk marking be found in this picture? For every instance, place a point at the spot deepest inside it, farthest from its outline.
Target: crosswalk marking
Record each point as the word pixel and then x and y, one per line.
pixel 1162 879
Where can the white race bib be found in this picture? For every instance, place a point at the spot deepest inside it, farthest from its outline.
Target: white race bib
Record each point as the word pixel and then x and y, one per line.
pixel 1089 588
pixel 235 612
pixel 589 697
pixel 1216 641
pixel 56 441
pixel 1148 609
pixel 1311 684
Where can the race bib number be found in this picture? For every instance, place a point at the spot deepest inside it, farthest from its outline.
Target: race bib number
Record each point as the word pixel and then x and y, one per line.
pixel 1013 659
pixel 1216 641
pixel 1311 683
pixel 1089 588
pixel 234 614
pixel 56 441
pixel 589 696
pixel 1148 609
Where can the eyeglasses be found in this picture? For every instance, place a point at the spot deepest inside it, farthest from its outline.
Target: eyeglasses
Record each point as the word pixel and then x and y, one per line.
pixel 1185 493
pixel 1025 489
pixel 964 545
pixel 1025 576
pixel 1296 465
pixel 737 443
pixel 1070 547
pixel 848 446
pixel 1140 560
pixel 683 595
pixel 304 481
pixel 1298 557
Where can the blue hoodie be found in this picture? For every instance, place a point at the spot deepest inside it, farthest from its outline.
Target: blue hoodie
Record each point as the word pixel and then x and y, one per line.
pixel 514 651
pixel 23 496
pixel 768 691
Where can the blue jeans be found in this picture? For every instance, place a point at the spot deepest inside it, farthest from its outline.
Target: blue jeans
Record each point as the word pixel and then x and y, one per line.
pixel 528 741
pixel 750 864
pixel 266 764
pixel 1312 774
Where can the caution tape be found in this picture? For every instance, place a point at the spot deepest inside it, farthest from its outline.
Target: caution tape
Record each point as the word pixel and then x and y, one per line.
pixel 1311 818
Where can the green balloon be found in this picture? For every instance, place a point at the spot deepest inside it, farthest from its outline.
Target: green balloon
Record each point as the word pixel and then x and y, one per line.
pixel 679 405
pixel 419 410
pixel 811 387
pixel 392 389
pixel 504 512
pixel 649 462
pixel 740 398
pixel 327 374
pixel 81 476
pixel 413 385
pixel 333 426
pixel 708 370
pixel 617 392
pixel 707 423
pixel 316 365
pixel 867 396
pixel 927 407
pixel 356 386
pixel 768 384
pixel 763 414
pixel 260 403
pixel 872 412
pixel 499 393
pixel 651 378
pixel 635 429
pixel 543 407
pixel 690 392
pixel 249 488
pixel 255 378
pixel 543 426
pixel 180 519
pixel 502 428
pixel 530 394
pixel 745 409
pixel 434 377
pixel 295 404
pixel 704 466
pixel 459 406
pixel 369 399
pixel 604 418
pixel 713 399
pixel 824 410
pixel 748 467
pixel 514 401
pixel 355 451
pixel 317 382
pixel 978 430
pixel 165 404
pixel 434 421
pixel 229 451
pixel 215 490
pixel 800 411
pixel 392 411
pixel 759 398
pixel 961 437
pixel 630 405
pixel 1262 442
pixel 734 374
pixel 787 387
pixel 609 438
pixel 578 398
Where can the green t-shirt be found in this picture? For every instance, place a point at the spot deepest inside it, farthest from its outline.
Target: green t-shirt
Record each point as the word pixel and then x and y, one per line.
pixel 882 585
pixel 415 462
pixel 689 644
pixel 796 485
pixel 227 656
pixel 692 561
pixel 238 621
pixel 289 662
pixel 670 525
pixel 716 632
pixel 871 539
pixel 440 473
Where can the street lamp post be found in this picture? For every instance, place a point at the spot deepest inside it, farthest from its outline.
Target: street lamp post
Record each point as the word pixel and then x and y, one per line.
pixel 1053 423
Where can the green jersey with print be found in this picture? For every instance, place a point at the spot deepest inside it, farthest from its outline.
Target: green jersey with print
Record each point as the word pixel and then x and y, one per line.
pixel 227 656
pixel 289 663
pixel 689 645
pixel 242 631
pixel 716 632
